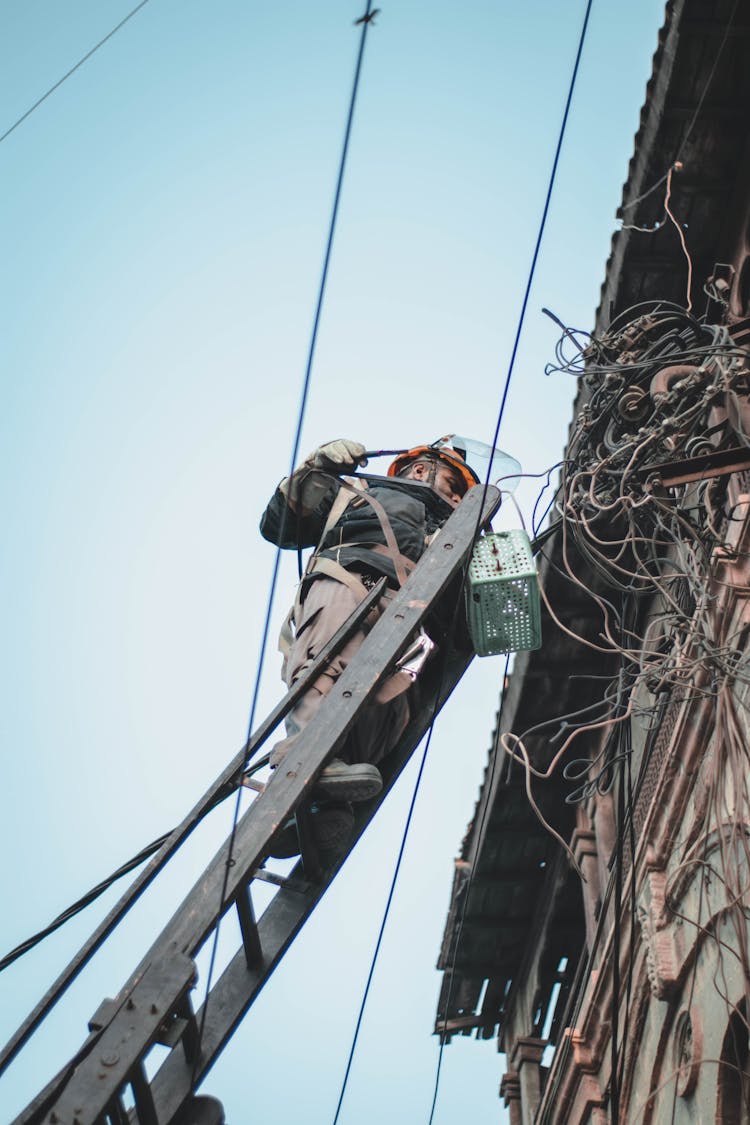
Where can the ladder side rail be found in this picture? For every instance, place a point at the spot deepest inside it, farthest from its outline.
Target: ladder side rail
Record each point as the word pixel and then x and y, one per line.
pixel 45 1099
pixel 237 988
pixel 221 787
pixel 147 988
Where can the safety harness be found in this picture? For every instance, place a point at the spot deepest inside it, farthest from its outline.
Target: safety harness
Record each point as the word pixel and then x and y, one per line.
pixel 350 490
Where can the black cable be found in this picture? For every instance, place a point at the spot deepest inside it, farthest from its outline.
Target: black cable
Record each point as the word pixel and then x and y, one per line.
pixel 542 225
pixel 438 692
pixel 365 24
pixel 386 912
pixel 501 412
pixel 99 889
pixel 450 647
pixel 694 118
pixel 489 781
pixel 82 902
pixel 73 69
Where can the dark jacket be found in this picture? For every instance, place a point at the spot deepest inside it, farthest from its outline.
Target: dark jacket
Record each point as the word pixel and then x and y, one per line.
pixel 414 511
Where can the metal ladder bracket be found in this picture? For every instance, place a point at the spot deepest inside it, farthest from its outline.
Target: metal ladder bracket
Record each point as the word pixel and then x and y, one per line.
pixel 115 1059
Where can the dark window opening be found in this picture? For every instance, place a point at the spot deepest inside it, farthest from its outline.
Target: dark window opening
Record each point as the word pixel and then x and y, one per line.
pixel 734 1071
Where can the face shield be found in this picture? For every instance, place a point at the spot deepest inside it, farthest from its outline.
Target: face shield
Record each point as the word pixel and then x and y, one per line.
pixel 487 461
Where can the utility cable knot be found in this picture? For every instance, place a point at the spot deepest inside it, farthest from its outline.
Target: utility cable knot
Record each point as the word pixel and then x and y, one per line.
pixel 368 17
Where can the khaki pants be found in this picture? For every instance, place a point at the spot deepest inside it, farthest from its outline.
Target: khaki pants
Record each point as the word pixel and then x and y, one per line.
pixel 381 723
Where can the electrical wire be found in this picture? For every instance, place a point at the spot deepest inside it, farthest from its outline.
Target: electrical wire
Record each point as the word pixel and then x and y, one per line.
pixel 669 215
pixel 459 930
pixel 72 70
pixel 501 413
pixel 636 569
pixel 101 887
pixel 540 233
pixel 364 23
pixel 84 901
pixel 693 120
pixel 654 546
pixel 154 847
pixel 386 912
pixel 642 542
pixel 503 401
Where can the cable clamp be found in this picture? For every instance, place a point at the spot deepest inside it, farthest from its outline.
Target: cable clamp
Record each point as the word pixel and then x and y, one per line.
pixel 368 18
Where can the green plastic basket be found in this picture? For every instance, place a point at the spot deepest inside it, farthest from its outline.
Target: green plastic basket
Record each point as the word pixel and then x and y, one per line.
pixel 502 595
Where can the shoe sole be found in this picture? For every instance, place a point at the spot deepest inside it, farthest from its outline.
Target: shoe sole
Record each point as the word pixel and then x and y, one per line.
pixel 285 846
pixel 329 833
pixel 351 789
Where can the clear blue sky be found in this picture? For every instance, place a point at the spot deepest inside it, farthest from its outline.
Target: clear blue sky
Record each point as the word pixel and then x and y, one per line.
pixel 162 225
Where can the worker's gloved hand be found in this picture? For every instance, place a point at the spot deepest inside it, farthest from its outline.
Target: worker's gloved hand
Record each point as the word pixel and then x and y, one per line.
pixel 341 456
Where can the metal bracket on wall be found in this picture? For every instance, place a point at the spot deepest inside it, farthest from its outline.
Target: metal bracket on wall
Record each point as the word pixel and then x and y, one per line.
pixel 718 463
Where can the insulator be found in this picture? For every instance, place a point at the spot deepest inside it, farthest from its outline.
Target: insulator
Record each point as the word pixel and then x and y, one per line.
pixel 633 404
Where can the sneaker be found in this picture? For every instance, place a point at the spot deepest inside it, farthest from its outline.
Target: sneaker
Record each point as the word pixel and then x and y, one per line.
pixel 343 782
pixel 331 824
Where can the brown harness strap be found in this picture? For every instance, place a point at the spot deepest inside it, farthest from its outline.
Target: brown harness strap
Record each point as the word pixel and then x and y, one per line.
pixel 385 524
pixel 348 492
pixel 332 569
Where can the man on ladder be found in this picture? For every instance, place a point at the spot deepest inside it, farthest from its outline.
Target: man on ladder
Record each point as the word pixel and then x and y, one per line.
pixel 363 529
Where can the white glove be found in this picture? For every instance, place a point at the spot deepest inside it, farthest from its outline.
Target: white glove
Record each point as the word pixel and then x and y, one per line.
pixel 341 456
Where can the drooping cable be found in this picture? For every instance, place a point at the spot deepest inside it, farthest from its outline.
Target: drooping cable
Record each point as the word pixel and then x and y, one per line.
pixel 72 70
pixel 657 545
pixel 364 23
pixel 81 903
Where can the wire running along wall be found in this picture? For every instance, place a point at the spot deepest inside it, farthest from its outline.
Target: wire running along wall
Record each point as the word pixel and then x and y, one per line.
pixel 660 387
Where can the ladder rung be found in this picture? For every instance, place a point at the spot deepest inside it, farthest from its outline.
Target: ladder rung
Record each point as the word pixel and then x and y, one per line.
pixel 144 1099
pixel 251 783
pixel 191 1040
pixel 300 885
pixel 171 1031
pixel 115 1113
pixel 167 972
pixel 249 929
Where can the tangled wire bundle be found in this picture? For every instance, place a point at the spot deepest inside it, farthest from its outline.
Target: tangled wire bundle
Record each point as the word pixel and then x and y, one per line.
pixel 660 387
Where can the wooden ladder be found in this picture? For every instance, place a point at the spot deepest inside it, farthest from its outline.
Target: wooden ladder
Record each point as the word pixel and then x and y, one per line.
pixel 155 1006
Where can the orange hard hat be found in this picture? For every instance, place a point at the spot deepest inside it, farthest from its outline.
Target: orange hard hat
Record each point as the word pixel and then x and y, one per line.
pixel 444 453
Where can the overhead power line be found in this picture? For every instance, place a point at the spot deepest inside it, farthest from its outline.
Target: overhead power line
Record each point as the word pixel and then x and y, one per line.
pixel 146 852
pixel 365 23
pixel 73 69
pixel 83 902
pixel 495 439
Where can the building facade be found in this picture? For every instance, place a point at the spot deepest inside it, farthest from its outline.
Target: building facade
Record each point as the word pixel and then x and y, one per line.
pixel 598 923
